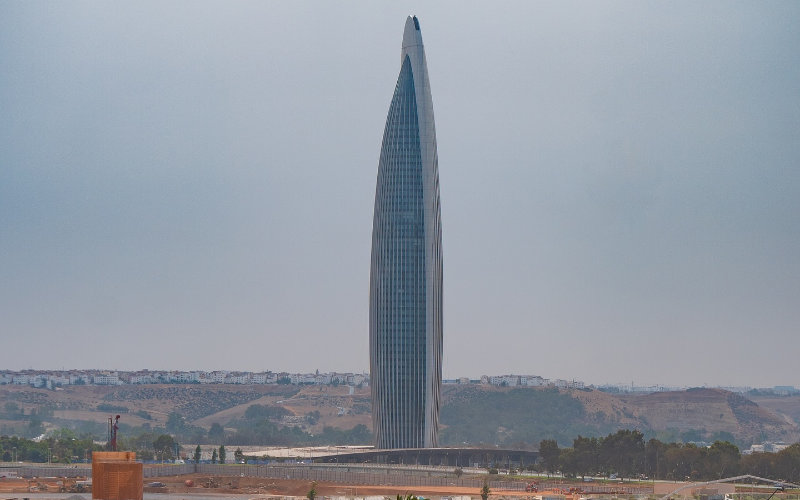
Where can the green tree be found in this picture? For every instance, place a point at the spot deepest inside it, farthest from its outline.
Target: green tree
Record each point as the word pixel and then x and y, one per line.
pixel 721 460
pixel 265 412
pixel 623 452
pixel 682 461
pixel 548 450
pixel 787 463
pixel 567 462
pixel 216 434
pixel 176 424
pixel 586 455
pixel 653 455
pixel 312 493
pixel 12 411
pixel 238 456
pixel 197 453
pixel 164 446
pixel 143 414
pixel 485 490
pixel 222 454
pixel 214 456
pixel 35 426
pixel 758 464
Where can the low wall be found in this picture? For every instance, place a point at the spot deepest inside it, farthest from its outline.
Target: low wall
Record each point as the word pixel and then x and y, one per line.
pixel 82 470
pixel 346 474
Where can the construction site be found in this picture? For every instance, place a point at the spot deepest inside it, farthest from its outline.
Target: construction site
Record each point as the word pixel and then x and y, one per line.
pixel 117 475
pixel 116 478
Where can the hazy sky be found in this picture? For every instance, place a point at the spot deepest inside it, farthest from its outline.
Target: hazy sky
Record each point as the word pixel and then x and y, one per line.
pixel 190 185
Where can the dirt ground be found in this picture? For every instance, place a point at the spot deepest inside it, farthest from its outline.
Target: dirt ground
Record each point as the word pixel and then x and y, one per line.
pixel 19 485
pixel 299 487
pixel 261 486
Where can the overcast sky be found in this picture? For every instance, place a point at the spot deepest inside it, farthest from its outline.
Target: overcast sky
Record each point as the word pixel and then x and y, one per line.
pixel 190 185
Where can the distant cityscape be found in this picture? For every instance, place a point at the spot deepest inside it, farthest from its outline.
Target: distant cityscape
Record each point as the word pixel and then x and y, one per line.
pixel 51 379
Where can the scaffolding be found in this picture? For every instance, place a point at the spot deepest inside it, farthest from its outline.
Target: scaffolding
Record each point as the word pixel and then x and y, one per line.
pixel 116 476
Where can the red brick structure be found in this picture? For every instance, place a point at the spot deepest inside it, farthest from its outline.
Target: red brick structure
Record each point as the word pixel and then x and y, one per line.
pixel 116 476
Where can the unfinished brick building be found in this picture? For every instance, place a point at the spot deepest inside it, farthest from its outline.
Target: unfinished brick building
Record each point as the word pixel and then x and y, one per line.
pixel 116 476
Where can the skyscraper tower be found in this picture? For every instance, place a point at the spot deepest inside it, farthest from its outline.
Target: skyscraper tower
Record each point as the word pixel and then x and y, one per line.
pixel 405 313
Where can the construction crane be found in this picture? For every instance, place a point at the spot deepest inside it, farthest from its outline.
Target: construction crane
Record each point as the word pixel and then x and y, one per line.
pixel 113 426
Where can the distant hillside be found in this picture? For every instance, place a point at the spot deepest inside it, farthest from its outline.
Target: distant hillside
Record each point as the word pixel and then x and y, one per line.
pixel 86 408
pixel 471 414
pixel 475 415
pixel 508 416
pixel 787 407
pixel 710 412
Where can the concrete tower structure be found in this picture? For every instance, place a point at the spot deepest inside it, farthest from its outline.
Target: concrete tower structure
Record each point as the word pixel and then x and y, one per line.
pixel 405 313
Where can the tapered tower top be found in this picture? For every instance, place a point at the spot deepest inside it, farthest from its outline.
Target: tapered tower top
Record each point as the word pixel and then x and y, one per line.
pixel 412 35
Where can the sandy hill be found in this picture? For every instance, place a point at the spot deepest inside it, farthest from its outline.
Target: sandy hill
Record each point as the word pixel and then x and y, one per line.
pixel 471 414
pixel 713 410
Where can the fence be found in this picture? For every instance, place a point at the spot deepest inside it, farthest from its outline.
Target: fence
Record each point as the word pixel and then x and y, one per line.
pixel 615 489
pixel 51 471
pixel 342 473
pixel 355 475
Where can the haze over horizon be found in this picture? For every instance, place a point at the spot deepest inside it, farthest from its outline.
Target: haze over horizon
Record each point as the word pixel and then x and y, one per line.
pixel 191 186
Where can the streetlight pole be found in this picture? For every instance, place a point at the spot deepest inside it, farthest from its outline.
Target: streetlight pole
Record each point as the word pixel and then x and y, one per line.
pixel 656 462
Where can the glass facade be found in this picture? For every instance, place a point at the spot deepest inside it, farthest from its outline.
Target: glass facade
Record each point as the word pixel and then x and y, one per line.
pixel 406 267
